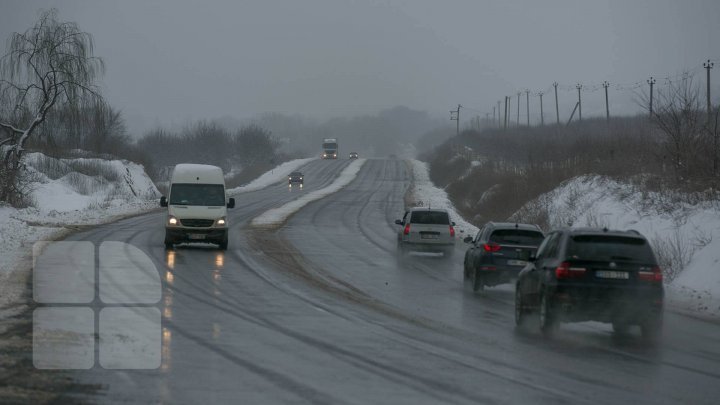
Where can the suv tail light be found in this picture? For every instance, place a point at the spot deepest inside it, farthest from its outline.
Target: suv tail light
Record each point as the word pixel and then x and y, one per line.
pixel 655 275
pixel 491 247
pixel 406 231
pixel 452 231
pixel 564 271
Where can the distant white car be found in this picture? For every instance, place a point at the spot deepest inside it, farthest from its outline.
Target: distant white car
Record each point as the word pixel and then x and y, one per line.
pixel 197 206
pixel 353 155
pixel 426 230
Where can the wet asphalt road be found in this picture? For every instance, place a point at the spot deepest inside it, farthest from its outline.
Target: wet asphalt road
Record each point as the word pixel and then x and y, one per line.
pixel 320 311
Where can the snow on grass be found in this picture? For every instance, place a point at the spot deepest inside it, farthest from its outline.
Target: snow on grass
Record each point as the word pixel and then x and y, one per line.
pixel 277 216
pixel 68 193
pixel 425 193
pixel 686 238
pixel 276 175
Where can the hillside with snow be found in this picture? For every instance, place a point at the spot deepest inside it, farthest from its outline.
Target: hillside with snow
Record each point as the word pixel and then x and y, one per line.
pixel 67 194
pixel 684 235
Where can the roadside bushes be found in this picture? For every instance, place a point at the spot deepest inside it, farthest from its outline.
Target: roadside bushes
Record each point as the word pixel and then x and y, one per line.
pixel 489 175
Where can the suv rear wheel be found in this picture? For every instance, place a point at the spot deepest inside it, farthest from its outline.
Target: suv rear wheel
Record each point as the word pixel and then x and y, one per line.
pixel 548 320
pixel 520 312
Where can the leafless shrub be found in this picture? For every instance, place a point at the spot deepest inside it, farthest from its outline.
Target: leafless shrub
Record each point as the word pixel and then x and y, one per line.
pixel 674 253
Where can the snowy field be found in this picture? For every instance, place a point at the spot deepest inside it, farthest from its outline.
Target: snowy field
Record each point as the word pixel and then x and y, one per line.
pixel 68 194
pixel 686 238
pixel 277 216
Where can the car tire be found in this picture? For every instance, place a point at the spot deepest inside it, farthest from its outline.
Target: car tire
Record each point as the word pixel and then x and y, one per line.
pixel 651 328
pixel 520 312
pixel 476 281
pixel 548 320
pixel 401 254
pixel 223 244
pixel 169 244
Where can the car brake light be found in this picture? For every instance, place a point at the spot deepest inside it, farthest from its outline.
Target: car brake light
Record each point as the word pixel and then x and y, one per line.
pixel 655 275
pixel 491 247
pixel 565 271
pixel 452 232
pixel 406 231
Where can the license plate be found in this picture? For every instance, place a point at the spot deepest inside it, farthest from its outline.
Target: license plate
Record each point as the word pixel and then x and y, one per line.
pixel 196 236
pixel 516 262
pixel 619 275
pixel 428 236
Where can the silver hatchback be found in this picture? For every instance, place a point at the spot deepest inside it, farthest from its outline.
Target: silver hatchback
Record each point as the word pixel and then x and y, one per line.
pixel 426 230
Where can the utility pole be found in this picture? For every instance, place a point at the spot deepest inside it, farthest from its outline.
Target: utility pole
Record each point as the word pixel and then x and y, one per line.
pixel 527 105
pixel 505 115
pixel 542 117
pixel 507 111
pixel 557 110
pixel 607 107
pixel 493 121
pixel 518 109
pixel 708 65
pixel 498 110
pixel 579 87
pixel 455 116
pixel 651 82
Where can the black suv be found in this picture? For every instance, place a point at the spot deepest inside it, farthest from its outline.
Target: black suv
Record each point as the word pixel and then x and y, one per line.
pixel 593 274
pixel 498 252
pixel 295 178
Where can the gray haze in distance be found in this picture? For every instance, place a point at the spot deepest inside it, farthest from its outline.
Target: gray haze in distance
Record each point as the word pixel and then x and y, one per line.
pixel 171 62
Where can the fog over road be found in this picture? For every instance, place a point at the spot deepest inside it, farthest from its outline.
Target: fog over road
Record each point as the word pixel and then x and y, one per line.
pixel 320 311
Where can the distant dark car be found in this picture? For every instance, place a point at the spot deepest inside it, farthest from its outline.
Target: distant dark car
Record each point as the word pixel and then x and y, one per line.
pixel 353 155
pixel 593 275
pixel 295 178
pixel 498 252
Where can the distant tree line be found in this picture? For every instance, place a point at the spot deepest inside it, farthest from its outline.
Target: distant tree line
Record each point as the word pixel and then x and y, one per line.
pixel 208 143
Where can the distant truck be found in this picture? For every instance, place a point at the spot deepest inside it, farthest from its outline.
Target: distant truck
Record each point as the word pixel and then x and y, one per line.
pixel 330 148
pixel 197 206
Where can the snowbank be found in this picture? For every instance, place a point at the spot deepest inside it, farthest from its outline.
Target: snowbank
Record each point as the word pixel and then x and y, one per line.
pixel 67 193
pixel 279 215
pixel 424 192
pixel 686 238
pixel 276 175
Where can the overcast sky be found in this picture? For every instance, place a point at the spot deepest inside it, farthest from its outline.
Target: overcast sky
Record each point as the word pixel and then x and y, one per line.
pixel 171 62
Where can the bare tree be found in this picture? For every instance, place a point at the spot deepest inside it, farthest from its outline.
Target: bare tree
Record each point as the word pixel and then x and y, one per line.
pixel 679 117
pixel 51 63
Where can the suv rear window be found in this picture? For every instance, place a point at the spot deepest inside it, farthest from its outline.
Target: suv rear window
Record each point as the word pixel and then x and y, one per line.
pixel 516 237
pixel 430 218
pixel 606 248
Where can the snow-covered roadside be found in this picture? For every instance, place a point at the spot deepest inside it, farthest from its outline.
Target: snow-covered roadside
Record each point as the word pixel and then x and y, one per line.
pixel 277 216
pixel 68 194
pixel 424 192
pixel 686 237
pixel 276 175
